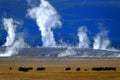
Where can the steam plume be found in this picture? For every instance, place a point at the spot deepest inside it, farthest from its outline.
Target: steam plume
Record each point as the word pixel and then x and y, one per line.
pixel 14 49
pixel 12 45
pixel 83 38
pixel 101 41
pixel 10 27
pixel 69 52
pixel 46 18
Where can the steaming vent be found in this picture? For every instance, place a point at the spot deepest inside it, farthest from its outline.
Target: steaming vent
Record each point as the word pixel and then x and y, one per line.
pixel 47 19
pixel 13 44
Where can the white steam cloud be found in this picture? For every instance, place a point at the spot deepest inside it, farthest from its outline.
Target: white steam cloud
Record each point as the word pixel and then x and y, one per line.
pixel 12 45
pixel 46 18
pixel 14 49
pixel 83 38
pixel 10 27
pixel 101 41
pixel 69 52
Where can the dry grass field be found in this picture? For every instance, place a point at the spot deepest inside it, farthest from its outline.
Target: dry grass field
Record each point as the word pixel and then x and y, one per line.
pixel 50 68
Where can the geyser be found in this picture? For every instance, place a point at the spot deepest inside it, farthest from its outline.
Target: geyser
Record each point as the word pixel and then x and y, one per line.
pixel 101 41
pixel 83 38
pixel 69 52
pixel 13 43
pixel 14 49
pixel 46 18
pixel 10 27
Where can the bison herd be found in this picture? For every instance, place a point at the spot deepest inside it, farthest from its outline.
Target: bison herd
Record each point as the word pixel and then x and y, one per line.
pixel 68 69
pixel 26 69
pixel 104 69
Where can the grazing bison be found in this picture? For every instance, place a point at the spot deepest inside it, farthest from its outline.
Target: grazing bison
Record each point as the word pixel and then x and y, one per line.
pixel 104 69
pixel 24 69
pixel 78 69
pixel 113 68
pixel 67 69
pixel 10 68
pixel 110 69
pixel 40 68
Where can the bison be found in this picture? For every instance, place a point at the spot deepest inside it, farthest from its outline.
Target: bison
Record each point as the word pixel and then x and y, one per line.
pixel 78 69
pixel 40 68
pixel 67 69
pixel 24 69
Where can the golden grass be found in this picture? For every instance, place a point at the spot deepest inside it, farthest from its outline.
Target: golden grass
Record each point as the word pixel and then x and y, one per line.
pixel 55 69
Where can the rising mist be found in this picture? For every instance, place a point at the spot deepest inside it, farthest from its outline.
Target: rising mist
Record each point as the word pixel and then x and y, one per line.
pixel 46 18
pixel 14 43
